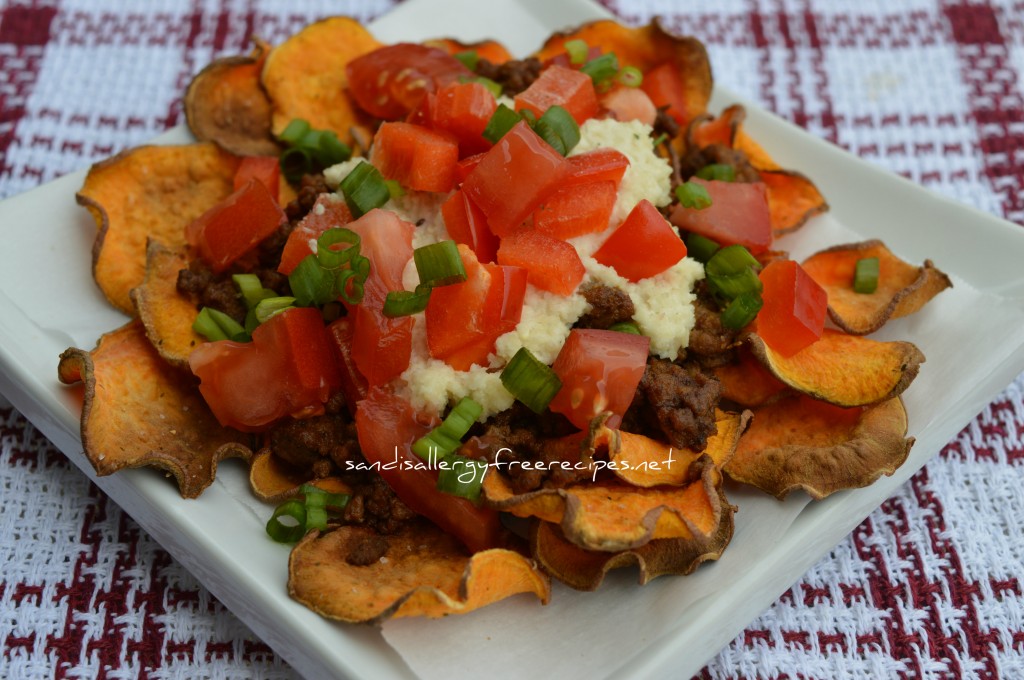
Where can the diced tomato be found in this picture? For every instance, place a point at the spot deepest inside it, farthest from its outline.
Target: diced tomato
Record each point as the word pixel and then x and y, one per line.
pixel 353 384
pixel 600 371
pixel 576 210
pixel 630 103
pixel 264 168
pixel 465 166
pixel 381 346
pixel 738 214
pixel 390 81
pixel 793 315
pixel 665 87
pixel 514 177
pixel 289 368
pixel 553 265
pixel 557 85
pixel 463 110
pixel 643 245
pixel 599 165
pixel 415 157
pixel 327 213
pixel 422 113
pixel 466 224
pixel 386 239
pixel 387 427
pixel 230 229
pixel 465 319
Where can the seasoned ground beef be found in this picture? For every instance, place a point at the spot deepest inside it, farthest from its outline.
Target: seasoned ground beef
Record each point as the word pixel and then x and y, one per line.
pixel 674 403
pixel 220 292
pixel 695 159
pixel 375 505
pixel 711 343
pixel 305 441
pixel 367 550
pixel 310 187
pixel 609 306
pixel 514 76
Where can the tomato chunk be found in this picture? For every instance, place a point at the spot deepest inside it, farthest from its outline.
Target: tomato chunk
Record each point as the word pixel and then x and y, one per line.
pixel 514 177
pixel 390 81
pixel 467 224
pixel 415 157
pixel 230 229
pixel 599 165
pixel 327 213
pixel 630 103
pixel 793 315
pixel 289 368
pixel 643 245
pixel 665 87
pixel 738 214
pixel 553 265
pixel 353 384
pixel 576 210
pixel 463 110
pixel 600 371
pixel 264 168
pixel 565 87
pixel 387 427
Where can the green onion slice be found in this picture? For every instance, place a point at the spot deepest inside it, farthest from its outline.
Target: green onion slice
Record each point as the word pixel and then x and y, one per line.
pixel 865 275
pixel 730 272
pixel 295 131
pixel 271 306
pixel 251 288
pixel 578 50
pixel 693 195
pixel 295 162
pixel 395 189
pixel 439 264
pixel 446 437
pixel 700 247
pixel 558 128
pixel 530 381
pixel 288 531
pixel 469 59
pixel 626 327
pixel 660 139
pixel 718 171
pixel 730 260
pixel 602 68
pixel 214 325
pixel 364 189
pixel 502 120
pixel 631 76
pixel 332 258
pixel 741 310
pixel 329 150
pixel 311 284
pixel 406 302
pixel 462 477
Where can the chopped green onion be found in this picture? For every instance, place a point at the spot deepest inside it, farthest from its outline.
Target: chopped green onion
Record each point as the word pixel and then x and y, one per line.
pixel 558 128
pixel 325 148
pixel 214 325
pixel 331 257
pixel 295 162
pixel 271 306
pixel 406 302
pixel 730 272
pixel 660 139
pixel 730 260
pixel 741 310
pixel 295 131
pixel 865 275
pixel 439 264
pixel 395 189
pixel 462 477
pixel 601 69
pixel 446 437
pixel 502 120
pixel 530 381
pixel 350 286
pixel 469 59
pixel 718 171
pixel 492 87
pixel 700 247
pixel 364 189
pixel 626 327
pixel 692 195
pixel 631 76
pixel 288 532
pixel 311 284
pixel 251 288
pixel 578 50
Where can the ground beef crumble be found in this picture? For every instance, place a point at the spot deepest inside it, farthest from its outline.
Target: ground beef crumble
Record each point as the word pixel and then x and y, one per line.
pixel 608 306
pixel 674 403
pixel 513 76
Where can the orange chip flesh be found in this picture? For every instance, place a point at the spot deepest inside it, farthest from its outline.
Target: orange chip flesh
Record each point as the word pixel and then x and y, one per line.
pixel 423 572
pixel 305 76
pixel 845 370
pixel 802 443
pixel 140 411
pixel 149 192
pixel 612 516
pixel 646 47
pixel 756 154
pixel 645 462
pixel 491 50
pixel 273 480
pixel 166 314
pixel 585 569
pixel 226 104
pixel 747 382
pixel 792 200
pixel 705 130
pixel 902 288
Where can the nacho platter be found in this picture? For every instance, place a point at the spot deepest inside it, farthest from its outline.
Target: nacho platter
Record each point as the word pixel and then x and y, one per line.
pixel 34 332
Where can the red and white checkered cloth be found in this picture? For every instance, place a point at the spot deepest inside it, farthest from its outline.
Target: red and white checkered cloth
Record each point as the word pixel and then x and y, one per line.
pixel 929 586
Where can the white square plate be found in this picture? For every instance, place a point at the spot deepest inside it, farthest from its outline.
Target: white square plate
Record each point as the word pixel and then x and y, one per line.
pixel 48 303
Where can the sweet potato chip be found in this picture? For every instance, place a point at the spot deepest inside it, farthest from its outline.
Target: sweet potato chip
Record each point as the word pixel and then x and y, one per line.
pixel 273 480
pixel 226 104
pixel 422 572
pixel 902 288
pixel 491 50
pixel 646 47
pixel 140 411
pixel 747 382
pixel 802 443
pixel 166 314
pixel 845 370
pixel 705 130
pixel 305 76
pixel 757 156
pixel 644 462
pixel 612 516
pixel 585 569
pixel 149 192
pixel 792 200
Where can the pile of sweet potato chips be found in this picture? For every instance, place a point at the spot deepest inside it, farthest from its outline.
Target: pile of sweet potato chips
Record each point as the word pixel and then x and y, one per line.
pixel 828 418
